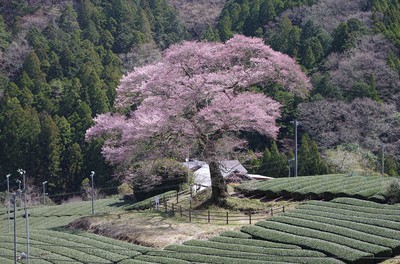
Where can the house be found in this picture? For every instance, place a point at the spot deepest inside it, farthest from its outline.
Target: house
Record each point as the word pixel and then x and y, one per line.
pixel 201 170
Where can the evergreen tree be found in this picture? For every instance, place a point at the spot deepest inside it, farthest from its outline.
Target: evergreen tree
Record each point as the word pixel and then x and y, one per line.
pixel 50 149
pixel 308 59
pixel 33 70
pixel 69 20
pixel 4 34
pixel 273 163
pixel 310 161
pixel 209 34
pixel 264 163
pixel 243 15
pixel 252 22
pixel 267 11
pixel 280 39
pixel 20 130
pixel 304 156
pixel 224 28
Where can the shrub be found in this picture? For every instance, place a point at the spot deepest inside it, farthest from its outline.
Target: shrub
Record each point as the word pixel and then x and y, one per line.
pixel 125 189
pixel 392 191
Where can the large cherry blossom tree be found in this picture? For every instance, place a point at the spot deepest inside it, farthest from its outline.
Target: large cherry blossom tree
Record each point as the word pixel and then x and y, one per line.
pixel 197 99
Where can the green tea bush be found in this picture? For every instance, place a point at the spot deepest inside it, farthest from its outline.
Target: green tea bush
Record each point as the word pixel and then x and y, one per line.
pixel 330 227
pixel 363 209
pixel 318 187
pixel 357 218
pixel 202 258
pixel 234 234
pixel 345 253
pixel 162 260
pixel 326 236
pixel 255 249
pixel 385 236
pixel 253 242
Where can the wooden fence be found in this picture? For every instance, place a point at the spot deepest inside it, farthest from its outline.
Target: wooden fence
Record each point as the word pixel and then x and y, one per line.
pixel 225 217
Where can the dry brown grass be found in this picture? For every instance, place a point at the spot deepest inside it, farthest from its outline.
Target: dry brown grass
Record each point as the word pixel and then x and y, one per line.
pixel 149 228
pixel 158 229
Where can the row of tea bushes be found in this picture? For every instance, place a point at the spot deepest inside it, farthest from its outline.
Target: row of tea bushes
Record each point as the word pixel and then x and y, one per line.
pixel 320 187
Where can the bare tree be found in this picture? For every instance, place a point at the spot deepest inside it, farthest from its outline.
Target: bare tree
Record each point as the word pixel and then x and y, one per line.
pixel 362 121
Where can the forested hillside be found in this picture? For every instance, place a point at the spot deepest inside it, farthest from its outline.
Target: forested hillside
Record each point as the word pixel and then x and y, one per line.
pixel 350 50
pixel 61 62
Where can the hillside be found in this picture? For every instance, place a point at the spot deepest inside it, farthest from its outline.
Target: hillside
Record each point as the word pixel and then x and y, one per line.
pixel 350 50
pixel 197 15
pixel 61 63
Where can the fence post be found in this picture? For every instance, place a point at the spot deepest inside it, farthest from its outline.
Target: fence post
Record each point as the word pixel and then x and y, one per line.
pixel 180 209
pixel 190 215
pixel 208 216
pixel 227 217
pixel 165 205
pixel 250 217
pixel 283 209
pixel 177 197
pixel 272 212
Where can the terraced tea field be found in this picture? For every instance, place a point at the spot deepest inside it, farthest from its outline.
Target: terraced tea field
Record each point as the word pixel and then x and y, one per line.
pixel 345 230
pixel 320 187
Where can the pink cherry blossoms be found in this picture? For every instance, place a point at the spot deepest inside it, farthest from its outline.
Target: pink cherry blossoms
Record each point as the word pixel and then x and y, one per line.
pixel 197 95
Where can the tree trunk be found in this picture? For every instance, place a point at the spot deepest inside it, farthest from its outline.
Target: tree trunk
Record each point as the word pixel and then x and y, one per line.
pixel 218 185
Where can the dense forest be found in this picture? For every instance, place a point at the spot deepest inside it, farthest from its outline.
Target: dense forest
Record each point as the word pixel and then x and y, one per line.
pixel 60 66
pixel 350 50
pixel 61 62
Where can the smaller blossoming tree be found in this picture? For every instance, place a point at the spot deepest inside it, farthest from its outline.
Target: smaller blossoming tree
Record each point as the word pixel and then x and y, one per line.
pixel 197 98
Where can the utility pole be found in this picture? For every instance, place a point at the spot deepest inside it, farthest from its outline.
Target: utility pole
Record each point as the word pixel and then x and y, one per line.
pixel 15 228
pixel 23 173
pixel 295 123
pixel 383 159
pixel 8 201
pixel 91 176
pixel 44 192
pixel 19 193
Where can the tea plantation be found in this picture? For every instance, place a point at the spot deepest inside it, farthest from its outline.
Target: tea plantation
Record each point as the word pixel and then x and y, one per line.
pixel 320 187
pixel 344 230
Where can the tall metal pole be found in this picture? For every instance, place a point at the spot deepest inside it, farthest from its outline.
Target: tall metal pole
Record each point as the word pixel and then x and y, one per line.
pixel 295 148
pixel 15 228
pixel 383 159
pixel 91 175
pixel 19 193
pixel 23 173
pixel 8 201
pixel 44 192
